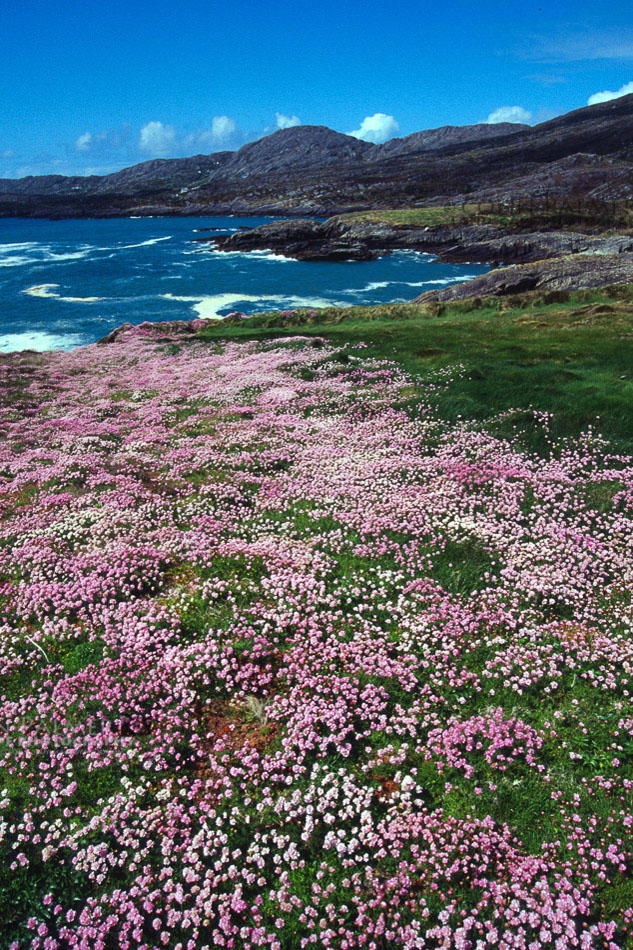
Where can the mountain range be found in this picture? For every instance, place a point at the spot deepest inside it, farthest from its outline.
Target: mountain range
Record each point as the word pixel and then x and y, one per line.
pixel 314 170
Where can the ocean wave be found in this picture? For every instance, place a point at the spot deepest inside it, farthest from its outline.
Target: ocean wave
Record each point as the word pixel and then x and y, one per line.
pixel 39 341
pixel 68 256
pixel 316 302
pixel 381 284
pixel 376 285
pixel 459 279
pixel 125 247
pixel 19 246
pixel 18 261
pixel 244 255
pixel 208 306
pixel 12 255
pixel 412 253
pixel 49 292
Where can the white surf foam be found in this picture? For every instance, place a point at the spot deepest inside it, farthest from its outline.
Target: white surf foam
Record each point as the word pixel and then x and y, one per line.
pixel 301 302
pixel 124 247
pixel 244 255
pixel 18 261
pixel 69 256
pixel 41 290
pixel 376 285
pixel 49 292
pixel 417 254
pixel 18 255
pixel 447 280
pixel 13 255
pixel 381 284
pixel 18 246
pixel 208 307
pixel 41 342
pixel 269 256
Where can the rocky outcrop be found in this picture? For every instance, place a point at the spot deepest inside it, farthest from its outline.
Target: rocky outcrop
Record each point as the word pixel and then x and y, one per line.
pixel 553 260
pixel 578 272
pixel 344 239
pixel 302 239
pixel 450 137
pixel 128 331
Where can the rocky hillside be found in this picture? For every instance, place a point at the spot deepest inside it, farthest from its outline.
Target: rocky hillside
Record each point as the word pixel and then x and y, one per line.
pixel 313 170
pixel 450 137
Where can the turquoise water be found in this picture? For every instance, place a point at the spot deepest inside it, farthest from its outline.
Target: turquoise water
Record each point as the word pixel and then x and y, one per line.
pixel 64 283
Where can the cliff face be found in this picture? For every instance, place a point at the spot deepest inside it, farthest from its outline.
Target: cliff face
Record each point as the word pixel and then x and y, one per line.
pixel 313 170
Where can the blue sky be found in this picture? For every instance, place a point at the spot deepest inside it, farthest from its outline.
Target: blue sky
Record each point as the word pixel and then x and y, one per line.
pixel 90 86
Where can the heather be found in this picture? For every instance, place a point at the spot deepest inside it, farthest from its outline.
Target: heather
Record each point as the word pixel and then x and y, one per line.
pixel 315 639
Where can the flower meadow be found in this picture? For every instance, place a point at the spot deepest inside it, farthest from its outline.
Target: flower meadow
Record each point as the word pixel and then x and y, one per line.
pixel 289 661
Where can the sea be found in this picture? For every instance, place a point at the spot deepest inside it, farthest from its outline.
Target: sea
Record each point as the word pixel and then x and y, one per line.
pixel 67 283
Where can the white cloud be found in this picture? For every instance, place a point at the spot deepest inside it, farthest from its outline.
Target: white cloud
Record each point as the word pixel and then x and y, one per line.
pixel 111 141
pixel 157 139
pixel 287 121
pixel 377 128
pixel 8 153
pixel 607 96
pixel 84 141
pixel 509 114
pixel 222 127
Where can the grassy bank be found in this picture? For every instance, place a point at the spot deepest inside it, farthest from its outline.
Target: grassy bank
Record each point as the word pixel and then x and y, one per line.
pixel 568 354
pixel 566 213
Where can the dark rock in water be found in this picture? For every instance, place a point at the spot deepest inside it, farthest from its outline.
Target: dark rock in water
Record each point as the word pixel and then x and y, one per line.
pixel 271 236
pixel 301 238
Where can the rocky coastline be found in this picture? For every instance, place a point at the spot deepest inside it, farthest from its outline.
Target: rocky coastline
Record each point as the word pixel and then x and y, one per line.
pixel 341 239
pixel 526 260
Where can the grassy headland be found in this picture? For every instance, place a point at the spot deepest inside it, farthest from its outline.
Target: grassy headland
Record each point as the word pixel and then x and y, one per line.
pixel 566 213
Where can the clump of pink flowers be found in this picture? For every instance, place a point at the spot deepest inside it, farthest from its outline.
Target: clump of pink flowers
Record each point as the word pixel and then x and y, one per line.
pixel 499 741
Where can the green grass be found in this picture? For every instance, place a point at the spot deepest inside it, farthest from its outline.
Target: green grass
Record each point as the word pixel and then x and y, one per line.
pixel 561 214
pixel 460 567
pixel 568 354
pixel 431 216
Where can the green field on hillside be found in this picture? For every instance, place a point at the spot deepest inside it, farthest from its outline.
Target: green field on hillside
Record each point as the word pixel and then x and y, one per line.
pixel 565 213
